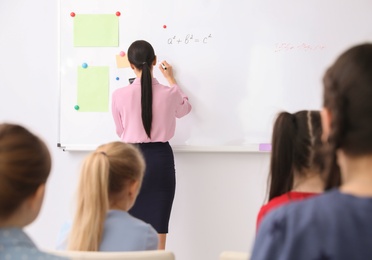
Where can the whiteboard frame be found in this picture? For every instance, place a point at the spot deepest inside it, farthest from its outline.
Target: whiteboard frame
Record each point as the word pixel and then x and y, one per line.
pixel 180 148
pixel 333 42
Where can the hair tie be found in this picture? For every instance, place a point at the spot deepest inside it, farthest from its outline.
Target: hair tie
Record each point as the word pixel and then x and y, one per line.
pixel 143 63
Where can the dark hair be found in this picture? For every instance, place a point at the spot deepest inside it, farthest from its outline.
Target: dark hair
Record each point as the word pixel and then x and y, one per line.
pixel 296 140
pixel 348 97
pixel 142 55
pixel 25 164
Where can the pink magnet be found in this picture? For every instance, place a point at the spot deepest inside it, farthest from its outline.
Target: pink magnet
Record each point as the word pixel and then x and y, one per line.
pixel 122 54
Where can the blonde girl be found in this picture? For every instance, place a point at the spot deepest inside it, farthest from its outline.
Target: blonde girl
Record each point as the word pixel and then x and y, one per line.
pixel 109 183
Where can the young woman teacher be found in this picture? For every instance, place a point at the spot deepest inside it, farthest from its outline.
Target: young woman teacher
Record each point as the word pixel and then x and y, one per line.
pixel 145 114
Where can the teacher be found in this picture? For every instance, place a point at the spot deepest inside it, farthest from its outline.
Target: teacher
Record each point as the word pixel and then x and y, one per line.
pixel 145 114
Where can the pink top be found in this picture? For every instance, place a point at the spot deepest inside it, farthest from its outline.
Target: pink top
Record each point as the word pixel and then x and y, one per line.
pixel 168 103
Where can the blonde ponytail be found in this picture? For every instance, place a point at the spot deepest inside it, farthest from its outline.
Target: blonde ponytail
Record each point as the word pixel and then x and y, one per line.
pixel 92 204
pixel 105 173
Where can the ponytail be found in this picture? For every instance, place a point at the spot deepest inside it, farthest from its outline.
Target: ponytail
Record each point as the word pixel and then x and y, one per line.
pixel 141 55
pixel 296 144
pixel 338 125
pixel 92 204
pixel 146 98
pixel 281 170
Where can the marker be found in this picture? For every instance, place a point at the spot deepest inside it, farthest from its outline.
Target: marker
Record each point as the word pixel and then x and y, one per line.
pixel 163 66
pixel 264 147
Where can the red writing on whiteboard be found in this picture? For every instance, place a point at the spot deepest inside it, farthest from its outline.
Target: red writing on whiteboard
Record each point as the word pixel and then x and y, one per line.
pixel 285 47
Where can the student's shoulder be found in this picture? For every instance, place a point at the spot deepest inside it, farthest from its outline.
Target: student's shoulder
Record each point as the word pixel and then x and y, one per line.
pixel 140 223
pixel 306 212
pixel 277 201
pixel 324 201
pixel 297 230
pixel 142 226
pixel 124 219
pixel 29 253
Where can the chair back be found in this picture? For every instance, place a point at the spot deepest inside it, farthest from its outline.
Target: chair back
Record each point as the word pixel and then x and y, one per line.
pixel 133 255
pixel 231 255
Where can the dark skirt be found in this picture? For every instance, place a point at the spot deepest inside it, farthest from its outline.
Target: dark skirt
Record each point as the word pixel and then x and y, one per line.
pixel 154 202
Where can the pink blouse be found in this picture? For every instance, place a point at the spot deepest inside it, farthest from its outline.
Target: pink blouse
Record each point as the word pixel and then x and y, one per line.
pixel 168 104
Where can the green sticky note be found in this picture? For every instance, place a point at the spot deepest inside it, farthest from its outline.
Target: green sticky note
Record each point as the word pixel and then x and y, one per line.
pixel 93 89
pixel 96 30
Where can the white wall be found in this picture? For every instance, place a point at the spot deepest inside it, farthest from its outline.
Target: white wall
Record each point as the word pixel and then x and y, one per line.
pixel 218 194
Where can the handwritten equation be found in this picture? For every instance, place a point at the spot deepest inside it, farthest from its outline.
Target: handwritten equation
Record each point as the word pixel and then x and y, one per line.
pixel 190 39
pixel 286 47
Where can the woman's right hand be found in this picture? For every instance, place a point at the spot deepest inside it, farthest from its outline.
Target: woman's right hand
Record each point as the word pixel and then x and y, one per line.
pixel 167 72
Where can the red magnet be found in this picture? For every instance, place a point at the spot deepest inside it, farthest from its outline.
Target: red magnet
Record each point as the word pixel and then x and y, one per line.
pixel 118 13
pixel 72 14
pixel 164 26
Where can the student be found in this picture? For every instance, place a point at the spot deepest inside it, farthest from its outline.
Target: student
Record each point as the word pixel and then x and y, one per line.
pixel 109 183
pixel 25 164
pixel 145 114
pixel 336 224
pixel 296 165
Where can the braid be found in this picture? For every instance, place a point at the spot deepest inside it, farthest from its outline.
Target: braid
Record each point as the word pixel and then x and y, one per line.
pixel 311 139
pixel 336 103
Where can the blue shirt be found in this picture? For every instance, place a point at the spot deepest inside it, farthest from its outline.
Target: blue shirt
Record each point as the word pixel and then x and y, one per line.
pixel 16 245
pixel 122 232
pixel 330 226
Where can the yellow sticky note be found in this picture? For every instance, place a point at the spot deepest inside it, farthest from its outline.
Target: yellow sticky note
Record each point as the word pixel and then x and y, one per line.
pixel 96 30
pixel 93 89
pixel 122 62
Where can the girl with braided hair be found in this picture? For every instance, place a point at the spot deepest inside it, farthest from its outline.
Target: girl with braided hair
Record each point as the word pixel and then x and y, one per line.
pixel 336 224
pixel 296 166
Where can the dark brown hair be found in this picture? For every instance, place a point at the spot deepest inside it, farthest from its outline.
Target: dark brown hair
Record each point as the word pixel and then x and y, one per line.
pixel 348 97
pixel 296 140
pixel 25 164
pixel 142 55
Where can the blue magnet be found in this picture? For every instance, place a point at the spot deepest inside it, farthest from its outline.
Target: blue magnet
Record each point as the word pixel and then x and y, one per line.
pixel 117 78
pixel 84 65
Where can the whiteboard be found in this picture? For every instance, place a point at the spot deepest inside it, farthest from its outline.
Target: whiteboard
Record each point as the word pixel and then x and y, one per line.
pixel 240 62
